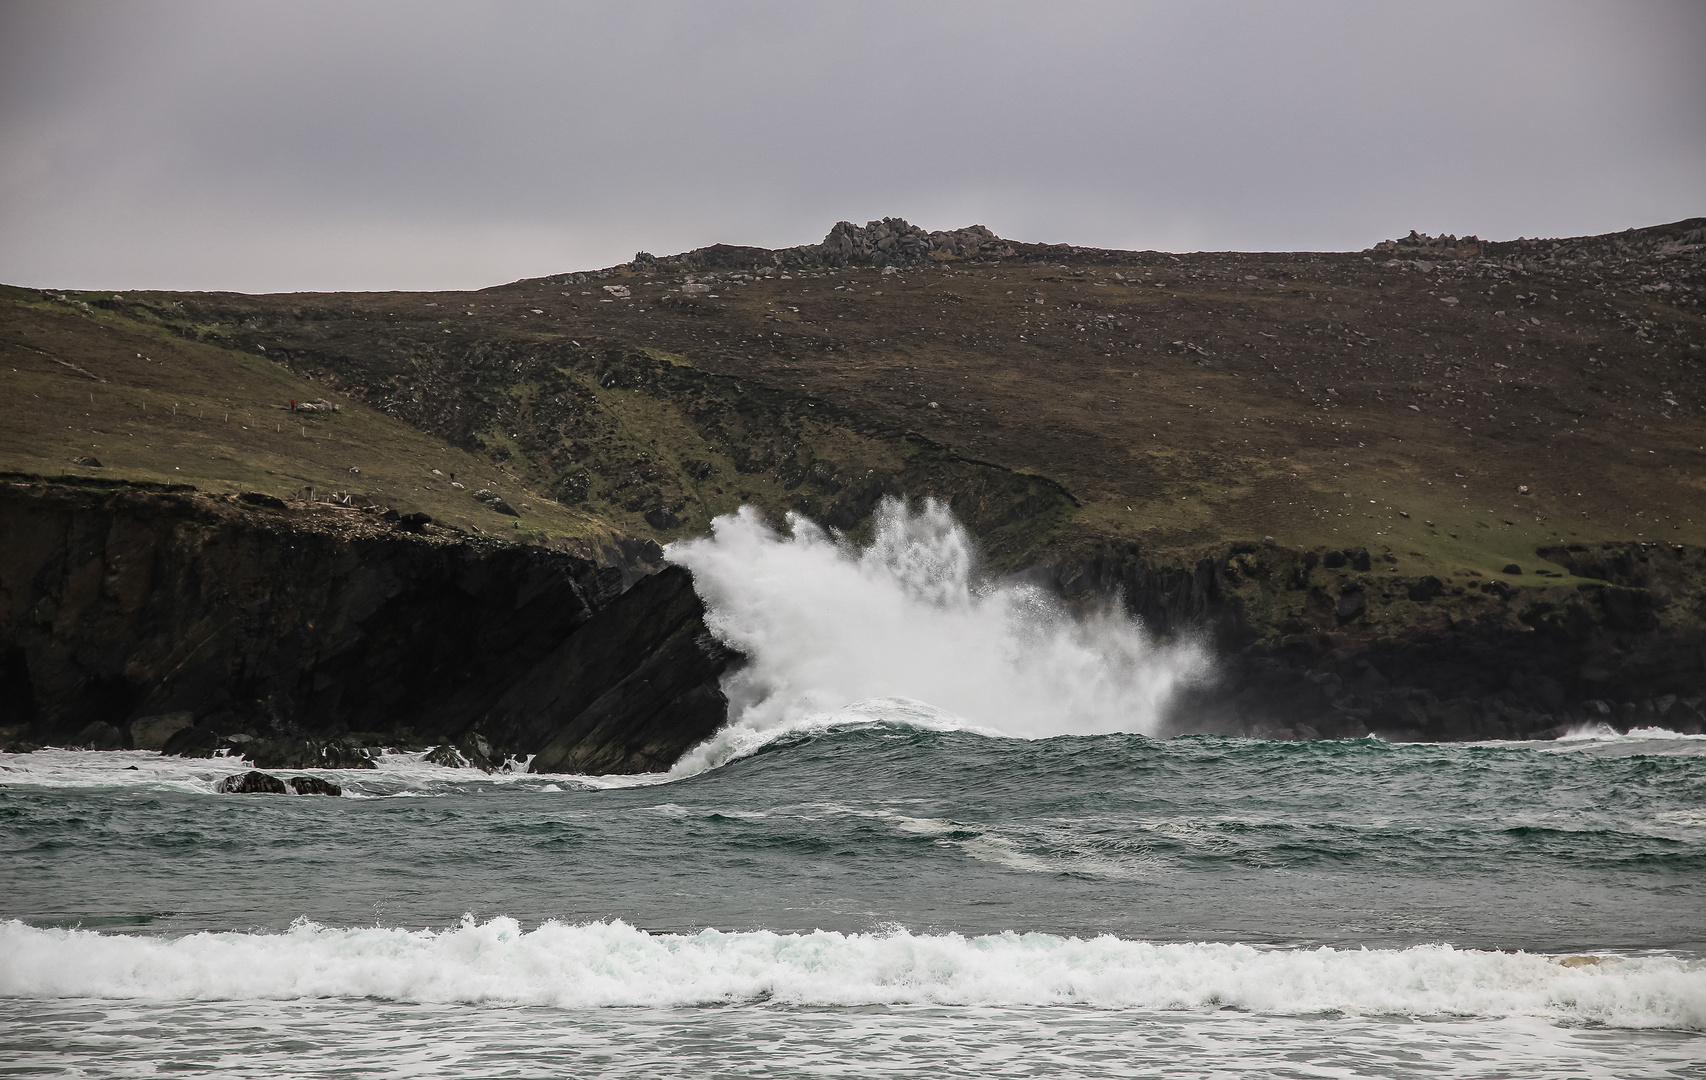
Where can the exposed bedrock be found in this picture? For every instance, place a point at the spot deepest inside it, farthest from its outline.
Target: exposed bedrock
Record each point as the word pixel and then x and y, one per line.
pixel 1329 644
pixel 162 619
pixel 304 638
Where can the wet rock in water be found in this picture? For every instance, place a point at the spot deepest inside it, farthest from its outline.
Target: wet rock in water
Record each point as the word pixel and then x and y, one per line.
pixel 447 757
pixel 195 742
pixel 307 754
pixel 250 783
pixel 100 735
pixel 471 751
pixel 312 785
pixel 154 732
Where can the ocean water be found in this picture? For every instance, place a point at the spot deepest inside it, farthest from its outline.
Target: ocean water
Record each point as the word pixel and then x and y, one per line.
pixel 975 867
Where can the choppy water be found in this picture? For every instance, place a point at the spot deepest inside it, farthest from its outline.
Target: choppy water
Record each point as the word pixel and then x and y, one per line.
pixel 876 889
pixel 874 899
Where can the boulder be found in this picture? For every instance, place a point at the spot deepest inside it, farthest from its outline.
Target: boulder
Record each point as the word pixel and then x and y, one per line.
pixel 1352 603
pixel 472 751
pixel 100 735
pixel 250 783
pixel 495 501
pixel 154 732
pixel 310 785
pixel 196 742
pixel 1426 588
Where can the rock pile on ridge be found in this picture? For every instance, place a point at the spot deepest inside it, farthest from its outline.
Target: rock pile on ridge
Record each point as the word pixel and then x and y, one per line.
pixel 889 242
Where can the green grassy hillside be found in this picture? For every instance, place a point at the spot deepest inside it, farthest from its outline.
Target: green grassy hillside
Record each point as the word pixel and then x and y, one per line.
pixel 87 383
pixel 1450 406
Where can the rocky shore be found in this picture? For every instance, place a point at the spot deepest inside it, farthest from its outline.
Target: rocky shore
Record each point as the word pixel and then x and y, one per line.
pixel 148 617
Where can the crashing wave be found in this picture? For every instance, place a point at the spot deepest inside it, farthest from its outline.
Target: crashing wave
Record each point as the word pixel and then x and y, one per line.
pixel 612 964
pixel 832 630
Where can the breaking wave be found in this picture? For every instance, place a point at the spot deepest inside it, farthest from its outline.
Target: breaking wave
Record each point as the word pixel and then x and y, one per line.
pixel 612 964
pixel 836 634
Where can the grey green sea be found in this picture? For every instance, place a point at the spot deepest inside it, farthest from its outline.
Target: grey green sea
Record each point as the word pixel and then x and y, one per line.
pixel 937 838
pixel 872 898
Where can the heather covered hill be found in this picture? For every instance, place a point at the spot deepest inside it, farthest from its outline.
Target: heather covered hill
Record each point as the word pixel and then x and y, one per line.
pixel 1512 394
pixel 1440 443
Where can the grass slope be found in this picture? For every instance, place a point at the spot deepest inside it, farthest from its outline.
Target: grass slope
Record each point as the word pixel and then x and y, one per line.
pixel 1451 406
pixel 86 382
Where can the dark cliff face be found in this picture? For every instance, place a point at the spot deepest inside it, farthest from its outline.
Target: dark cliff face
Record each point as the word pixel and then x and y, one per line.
pixel 160 618
pixel 1618 637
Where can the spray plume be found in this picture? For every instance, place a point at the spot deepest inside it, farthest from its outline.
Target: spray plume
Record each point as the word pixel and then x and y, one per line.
pixel 901 631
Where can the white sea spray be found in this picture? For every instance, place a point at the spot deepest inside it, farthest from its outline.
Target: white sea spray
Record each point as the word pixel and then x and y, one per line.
pixel 903 629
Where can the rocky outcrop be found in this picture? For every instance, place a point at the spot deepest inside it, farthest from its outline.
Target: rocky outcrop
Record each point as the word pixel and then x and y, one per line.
pixel 250 783
pixel 167 619
pixel 889 242
pixel 1620 640
pixel 255 782
pixel 313 785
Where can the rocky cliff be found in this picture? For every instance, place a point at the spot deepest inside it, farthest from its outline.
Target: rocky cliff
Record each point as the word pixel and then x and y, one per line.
pixel 1338 644
pixel 161 618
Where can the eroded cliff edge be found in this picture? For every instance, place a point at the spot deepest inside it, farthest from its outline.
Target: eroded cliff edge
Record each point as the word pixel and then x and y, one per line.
pixel 151 617
pixel 302 634
pixel 1330 643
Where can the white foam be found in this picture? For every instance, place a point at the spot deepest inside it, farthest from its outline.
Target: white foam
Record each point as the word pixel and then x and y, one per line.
pixel 1602 740
pixel 1606 733
pixel 612 964
pixel 392 774
pixel 117 769
pixel 836 635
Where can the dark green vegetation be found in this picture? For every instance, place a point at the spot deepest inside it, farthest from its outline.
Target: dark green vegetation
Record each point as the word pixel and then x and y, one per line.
pixel 1446 439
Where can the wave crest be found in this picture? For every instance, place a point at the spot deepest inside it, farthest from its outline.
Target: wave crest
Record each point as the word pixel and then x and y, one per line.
pixel 612 964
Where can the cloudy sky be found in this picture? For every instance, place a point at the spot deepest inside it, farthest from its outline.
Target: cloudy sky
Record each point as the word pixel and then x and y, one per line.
pixel 306 145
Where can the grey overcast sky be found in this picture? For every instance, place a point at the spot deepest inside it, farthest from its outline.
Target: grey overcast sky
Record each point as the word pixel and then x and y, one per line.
pixel 367 145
